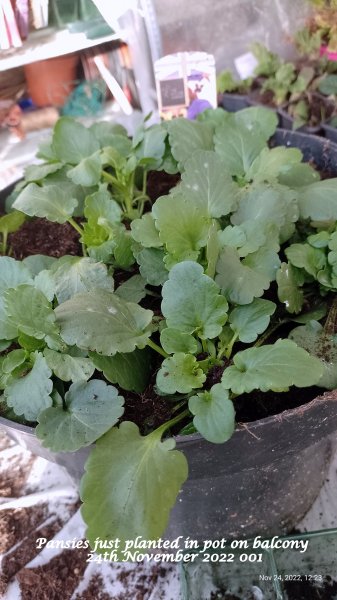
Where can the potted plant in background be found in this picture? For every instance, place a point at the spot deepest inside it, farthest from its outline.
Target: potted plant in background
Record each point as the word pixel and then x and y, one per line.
pixel 215 298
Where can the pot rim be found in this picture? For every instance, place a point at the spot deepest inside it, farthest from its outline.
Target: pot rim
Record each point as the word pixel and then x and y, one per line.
pixel 241 428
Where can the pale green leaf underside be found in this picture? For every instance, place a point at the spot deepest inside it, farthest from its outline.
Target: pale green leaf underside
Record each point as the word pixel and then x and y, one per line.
pixel 72 141
pixel 174 340
pixel 238 282
pixel 272 367
pixel 289 291
pixel 102 322
pixel 124 471
pixel 92 409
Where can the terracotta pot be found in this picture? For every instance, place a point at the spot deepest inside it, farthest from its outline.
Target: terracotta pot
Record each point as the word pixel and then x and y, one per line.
pixel 51 81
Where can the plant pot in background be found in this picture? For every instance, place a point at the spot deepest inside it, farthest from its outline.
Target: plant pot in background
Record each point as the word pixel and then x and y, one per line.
pixel 330 131
pixel 286 121
pixel 51 81
pixel 234 102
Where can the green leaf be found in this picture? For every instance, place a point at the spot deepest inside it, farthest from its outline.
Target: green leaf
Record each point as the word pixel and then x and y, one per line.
pixel 11 222
pixel 152 146
pixel 8 330
pixel 258 119
pixel 214 414
pixel 101 209
pixel 72 275
pixel 238 282
pixel 267 204
pixel 318 201
pixel 238 147
pixel 328 85
pixel 298 175
pixel 192 302
pixel 37 263
pixel 208 184
pixel 303 256
pixel 92 409
pixel 125 470
pixel 122 250
pixel 30 312
pixel 144 232
pixel 50 202
pixel 102 322
pixel 130 371
pixel 272 367
pixel 270 163
pixel 30 394
pixel 72 141
pixel 252 319
pixel 12 273
pixel 69 368
pixel 183 226
pixel 188 136
pixel 40 172
pixel 13 359
pixel 289 291
pixel 4 344
pixel 180 373
pixel 45 283
pixel 174 340
pixel 87 172
pixel 132 290
pixel 317 342
pixel 151 265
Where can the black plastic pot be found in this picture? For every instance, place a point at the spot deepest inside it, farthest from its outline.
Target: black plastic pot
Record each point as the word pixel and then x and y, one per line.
pixel 234 102
pixel 266 477
pixel 330 132
pixel 286 121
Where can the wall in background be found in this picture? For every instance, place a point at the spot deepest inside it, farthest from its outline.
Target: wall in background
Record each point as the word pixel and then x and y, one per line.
pixel 226 28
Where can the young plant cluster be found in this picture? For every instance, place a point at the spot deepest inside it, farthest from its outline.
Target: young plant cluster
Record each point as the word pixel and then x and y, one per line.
pixel 245 243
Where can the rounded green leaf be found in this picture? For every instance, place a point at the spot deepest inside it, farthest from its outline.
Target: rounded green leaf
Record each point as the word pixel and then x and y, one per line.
pixel 50 202
pixel 289 288
pixel 72 275
pixel 192 303
pixel 12 273
pixel 103 322
pixel 315 340
pixel 130 485
pixel 174 340
pixel 72 141
pixel 29 310
pixel 180 373
pixel 238 282
pixel 87 172
pixel 91 410
pixel 252 319
pixel 30 394
pixel 272 367
pixel 214 414
pixel 208 184
pixel 144 231
pixel 67 367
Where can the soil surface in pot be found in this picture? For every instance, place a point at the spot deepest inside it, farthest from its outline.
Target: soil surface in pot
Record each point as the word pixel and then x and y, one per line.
pixel 319 109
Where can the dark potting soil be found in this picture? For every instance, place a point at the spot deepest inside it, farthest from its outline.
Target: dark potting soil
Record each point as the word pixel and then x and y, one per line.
pixel 39 236
pixel 159 183
pixel 305 590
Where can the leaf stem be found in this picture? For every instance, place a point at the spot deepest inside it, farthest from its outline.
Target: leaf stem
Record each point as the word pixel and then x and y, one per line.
pixel 4 242
pixel 269 331
pixel 227 350
pixel 157 348
pixel 170 423
pixel 75 225
pixel 113 180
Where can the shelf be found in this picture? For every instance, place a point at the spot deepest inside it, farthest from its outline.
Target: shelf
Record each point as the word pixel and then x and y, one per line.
pixel 49 43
